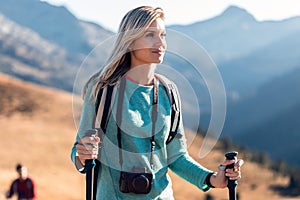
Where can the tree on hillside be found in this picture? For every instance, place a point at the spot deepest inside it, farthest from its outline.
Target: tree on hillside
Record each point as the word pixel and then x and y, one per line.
pixel 294 180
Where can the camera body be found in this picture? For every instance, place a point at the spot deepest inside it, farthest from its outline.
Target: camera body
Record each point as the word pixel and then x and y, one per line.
pixel 139 181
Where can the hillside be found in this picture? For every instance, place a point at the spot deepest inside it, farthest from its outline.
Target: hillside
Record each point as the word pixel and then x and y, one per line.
pixel 54 23
pixel 46 45
pixel 37 129
pixel 272 115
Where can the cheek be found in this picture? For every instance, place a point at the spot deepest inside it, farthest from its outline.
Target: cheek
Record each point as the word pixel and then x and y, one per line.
pixel 141 53
pixel 141 45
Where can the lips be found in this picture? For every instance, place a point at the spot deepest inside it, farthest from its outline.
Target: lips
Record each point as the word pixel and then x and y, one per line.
pixel 158 51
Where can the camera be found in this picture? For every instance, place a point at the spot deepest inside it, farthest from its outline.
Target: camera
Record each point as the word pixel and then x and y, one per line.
pixel 138 181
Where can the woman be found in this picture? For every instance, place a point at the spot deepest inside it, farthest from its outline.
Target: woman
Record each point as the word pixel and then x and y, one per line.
pixel 139 47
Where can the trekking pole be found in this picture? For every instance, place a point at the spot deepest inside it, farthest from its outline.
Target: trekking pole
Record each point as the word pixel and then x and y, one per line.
pixel 231 183
pixel 89 165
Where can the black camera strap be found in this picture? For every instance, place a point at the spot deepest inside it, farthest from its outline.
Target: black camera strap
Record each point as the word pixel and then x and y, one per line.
pixel 153 116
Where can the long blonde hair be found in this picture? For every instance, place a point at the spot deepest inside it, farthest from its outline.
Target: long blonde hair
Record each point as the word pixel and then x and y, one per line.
pixel 132 26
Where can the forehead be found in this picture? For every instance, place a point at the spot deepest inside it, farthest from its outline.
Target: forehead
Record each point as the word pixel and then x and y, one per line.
pixel 157 24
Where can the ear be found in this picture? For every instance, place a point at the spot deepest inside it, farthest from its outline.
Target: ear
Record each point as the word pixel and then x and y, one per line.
pixel 130 48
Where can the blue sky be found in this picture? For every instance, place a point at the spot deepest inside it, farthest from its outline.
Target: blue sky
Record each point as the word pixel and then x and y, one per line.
pixel 109 13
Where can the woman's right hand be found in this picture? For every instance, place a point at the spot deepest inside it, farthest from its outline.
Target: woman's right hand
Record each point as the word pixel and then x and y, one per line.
pixel 87 148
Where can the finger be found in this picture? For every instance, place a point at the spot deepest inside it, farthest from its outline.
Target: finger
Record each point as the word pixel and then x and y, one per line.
pixel 86 157
pixel 233 176
pixel 87 151
pixel 228 162
pixel 88 147
pixel 83 150
pixel 232 173
pixel 97 139
pixel 239 163
pixel 233 170
pixel 83 155
pixel 237 166
pixel 89 140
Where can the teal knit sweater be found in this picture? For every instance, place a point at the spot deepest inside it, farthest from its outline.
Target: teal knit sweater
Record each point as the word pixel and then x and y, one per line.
pixel 136 132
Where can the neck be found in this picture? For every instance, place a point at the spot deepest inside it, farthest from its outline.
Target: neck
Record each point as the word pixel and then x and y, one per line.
pixel 143 74
pixel 23 178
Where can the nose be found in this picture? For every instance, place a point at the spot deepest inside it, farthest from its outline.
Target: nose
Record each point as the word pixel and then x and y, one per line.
pixel 161 42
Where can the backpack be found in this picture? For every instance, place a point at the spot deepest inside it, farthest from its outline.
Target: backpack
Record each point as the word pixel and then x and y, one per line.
pixel 106 96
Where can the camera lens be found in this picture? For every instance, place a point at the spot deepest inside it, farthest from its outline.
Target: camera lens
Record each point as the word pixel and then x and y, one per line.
pixel 140 183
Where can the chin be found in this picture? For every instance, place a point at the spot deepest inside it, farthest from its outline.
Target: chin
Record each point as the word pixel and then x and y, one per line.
pixel 158 61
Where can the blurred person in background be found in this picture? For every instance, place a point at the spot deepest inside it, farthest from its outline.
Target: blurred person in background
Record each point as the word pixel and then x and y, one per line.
pixel 23 186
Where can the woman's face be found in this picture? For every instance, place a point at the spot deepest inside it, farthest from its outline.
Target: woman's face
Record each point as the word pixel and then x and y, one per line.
pixel 151 47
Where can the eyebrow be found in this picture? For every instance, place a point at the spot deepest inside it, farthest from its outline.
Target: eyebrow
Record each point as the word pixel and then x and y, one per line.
pixel 154 31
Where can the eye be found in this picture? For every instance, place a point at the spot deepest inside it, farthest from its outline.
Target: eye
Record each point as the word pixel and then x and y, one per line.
pixel 150 34
pixel 163 35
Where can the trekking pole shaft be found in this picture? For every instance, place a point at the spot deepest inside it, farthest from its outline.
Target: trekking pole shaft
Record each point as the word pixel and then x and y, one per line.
pixel 231 189
pixel 89 164
pixel 232 195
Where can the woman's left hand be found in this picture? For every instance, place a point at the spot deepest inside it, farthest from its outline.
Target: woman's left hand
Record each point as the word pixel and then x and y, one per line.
pixel 220 179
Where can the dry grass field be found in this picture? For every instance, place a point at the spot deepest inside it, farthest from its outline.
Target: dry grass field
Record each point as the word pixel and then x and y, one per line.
pixel 37 129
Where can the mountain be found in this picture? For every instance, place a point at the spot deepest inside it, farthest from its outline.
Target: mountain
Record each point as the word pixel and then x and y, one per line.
pixel 235 33
pixel 247 73
pixel 44 46
pixel 241 46
pixel 269 120
pixel 36 60
pixel 276 135
pixel 54 23
pixel 247 52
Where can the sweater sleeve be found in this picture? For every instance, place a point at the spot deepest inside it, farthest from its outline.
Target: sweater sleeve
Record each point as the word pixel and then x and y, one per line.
pixel 12 189
pixel 182 164
pixel 86 123
pixel 33 189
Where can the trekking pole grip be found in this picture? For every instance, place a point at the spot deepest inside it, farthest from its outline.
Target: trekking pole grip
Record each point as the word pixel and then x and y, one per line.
pixel 89 166
pixel 231 183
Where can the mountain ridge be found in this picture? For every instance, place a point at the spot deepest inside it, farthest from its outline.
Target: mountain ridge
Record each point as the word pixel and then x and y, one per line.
pixel 54 23
pixel 225 36
pixel 271 116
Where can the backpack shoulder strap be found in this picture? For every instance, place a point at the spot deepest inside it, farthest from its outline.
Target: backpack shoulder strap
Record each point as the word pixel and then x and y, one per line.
pixel 173 95
pixel 105 100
